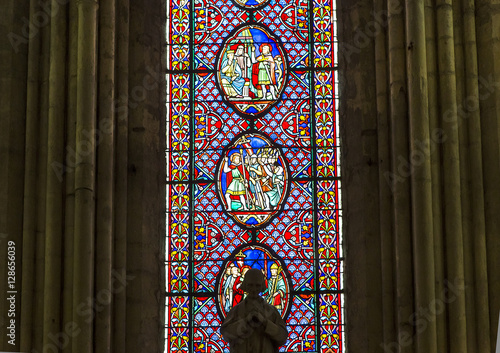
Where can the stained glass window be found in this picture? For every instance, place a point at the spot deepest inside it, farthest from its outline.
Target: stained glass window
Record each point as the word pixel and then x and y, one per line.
pixel 253 173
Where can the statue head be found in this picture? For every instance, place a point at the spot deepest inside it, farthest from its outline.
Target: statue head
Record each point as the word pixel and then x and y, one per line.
pixel 254 282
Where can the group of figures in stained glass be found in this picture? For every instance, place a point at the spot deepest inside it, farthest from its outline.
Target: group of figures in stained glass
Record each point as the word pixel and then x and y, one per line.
pixel 265 70
pixel 252 69
pixel 277 292
pixel 253 180
pixel 249 139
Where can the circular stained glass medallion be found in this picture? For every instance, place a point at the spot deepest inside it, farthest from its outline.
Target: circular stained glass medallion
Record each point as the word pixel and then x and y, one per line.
pixel 252 70
pixel 251 4
pixel 252 180
pixel 233 272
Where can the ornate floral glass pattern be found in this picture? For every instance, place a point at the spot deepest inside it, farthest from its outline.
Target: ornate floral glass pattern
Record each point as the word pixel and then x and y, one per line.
pixel 253 177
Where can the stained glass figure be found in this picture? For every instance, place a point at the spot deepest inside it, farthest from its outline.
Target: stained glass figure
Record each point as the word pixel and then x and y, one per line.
pixel 253 174
pixel 252 69
pixel 233 273
pixel 252 179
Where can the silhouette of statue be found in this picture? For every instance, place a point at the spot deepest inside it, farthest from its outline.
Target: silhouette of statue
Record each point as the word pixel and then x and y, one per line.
pixel 254 326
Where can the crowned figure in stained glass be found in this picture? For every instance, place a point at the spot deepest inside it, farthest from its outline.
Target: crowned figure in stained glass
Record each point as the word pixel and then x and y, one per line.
pixel 232 76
